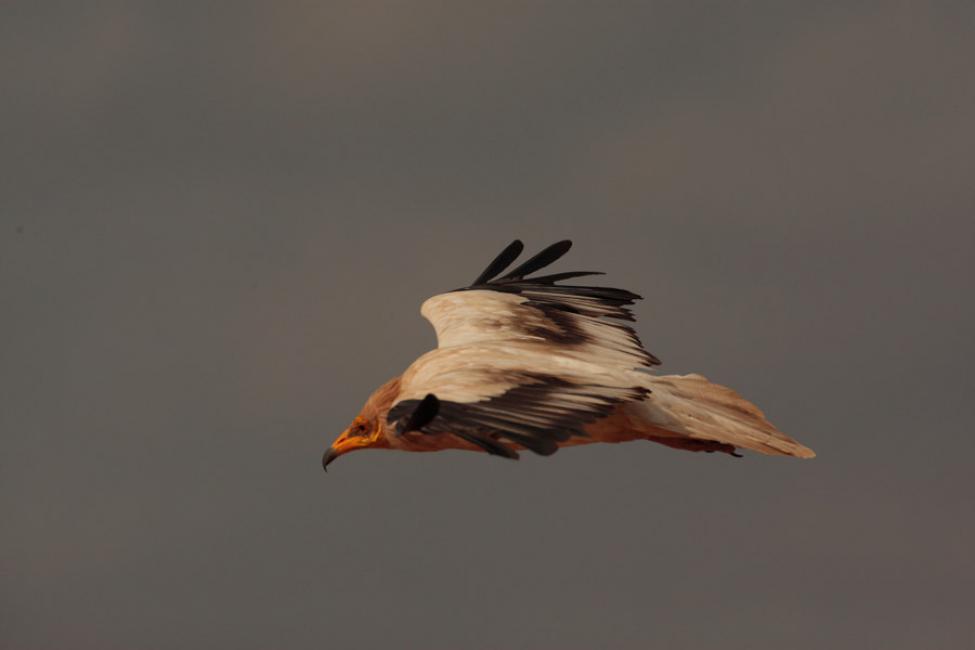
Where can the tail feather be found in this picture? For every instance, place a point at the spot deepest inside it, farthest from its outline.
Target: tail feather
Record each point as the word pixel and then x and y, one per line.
pixel 700 413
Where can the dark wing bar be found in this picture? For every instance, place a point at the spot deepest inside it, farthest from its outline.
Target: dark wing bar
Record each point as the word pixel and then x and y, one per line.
pixel 537 413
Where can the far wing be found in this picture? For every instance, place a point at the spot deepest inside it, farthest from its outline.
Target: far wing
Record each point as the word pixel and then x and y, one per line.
pixel 584 321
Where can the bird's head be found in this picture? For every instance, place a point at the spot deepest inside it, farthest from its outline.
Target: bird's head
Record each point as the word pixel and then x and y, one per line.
pixel 368 429
pixel 363 433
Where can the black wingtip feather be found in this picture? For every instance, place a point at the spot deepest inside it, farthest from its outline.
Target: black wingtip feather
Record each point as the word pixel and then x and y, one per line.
pixel 558 277
pixel 541 260
pixel 500 263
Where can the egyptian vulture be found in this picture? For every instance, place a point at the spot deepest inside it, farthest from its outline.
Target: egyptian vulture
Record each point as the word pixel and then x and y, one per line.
pixel 526 363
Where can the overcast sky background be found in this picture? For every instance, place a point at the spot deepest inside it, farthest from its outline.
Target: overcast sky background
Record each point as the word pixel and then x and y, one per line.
pixel 217 224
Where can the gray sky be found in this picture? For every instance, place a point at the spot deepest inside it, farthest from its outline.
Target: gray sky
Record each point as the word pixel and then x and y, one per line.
pixel 217 224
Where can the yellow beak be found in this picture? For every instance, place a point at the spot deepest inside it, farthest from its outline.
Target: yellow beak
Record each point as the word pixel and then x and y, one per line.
pixel 342 445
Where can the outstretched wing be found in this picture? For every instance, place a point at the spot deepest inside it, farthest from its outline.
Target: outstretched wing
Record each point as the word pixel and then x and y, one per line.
pixel 524 360
pixel 581 320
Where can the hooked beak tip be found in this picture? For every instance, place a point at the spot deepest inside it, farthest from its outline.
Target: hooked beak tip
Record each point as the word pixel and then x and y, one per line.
pixel 328 457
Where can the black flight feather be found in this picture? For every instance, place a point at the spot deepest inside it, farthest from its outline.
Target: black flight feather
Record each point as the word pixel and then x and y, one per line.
pixel 541 260
pixel 500 263
pixel 556 277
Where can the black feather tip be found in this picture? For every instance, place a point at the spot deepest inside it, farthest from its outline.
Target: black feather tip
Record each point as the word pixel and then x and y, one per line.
pixel 500 263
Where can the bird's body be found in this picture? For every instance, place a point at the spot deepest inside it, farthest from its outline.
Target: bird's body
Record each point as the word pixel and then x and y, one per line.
pixel 526 363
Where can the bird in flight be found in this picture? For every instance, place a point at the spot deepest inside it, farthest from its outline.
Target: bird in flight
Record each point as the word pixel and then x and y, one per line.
pixel 527 363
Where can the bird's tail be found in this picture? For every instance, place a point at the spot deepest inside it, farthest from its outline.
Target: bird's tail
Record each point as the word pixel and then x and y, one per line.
pixel 690 412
